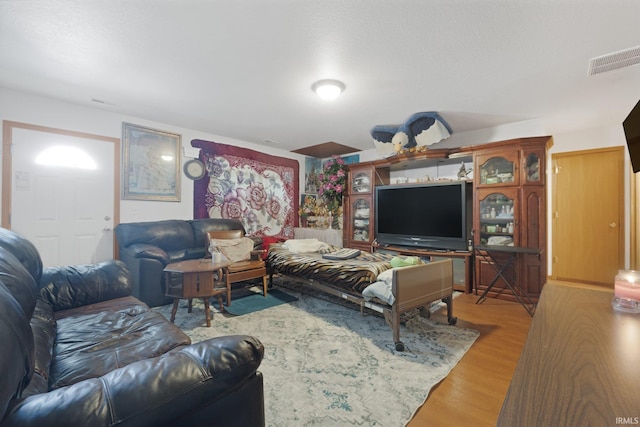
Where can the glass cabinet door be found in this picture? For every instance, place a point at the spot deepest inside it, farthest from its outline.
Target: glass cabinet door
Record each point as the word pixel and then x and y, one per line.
pixel 497 170
pixel 361 182
pixel 497 216
pixel 533 167
pixel 360 219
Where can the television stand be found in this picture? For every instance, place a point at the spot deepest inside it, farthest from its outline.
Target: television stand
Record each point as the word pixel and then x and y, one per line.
pixel 466 257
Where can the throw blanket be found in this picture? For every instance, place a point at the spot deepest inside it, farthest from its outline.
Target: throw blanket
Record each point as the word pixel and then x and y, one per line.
pixel 352 275
pixel 255 188
pixel 234 249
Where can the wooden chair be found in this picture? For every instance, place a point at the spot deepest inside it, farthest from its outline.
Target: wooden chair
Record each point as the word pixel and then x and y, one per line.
pixel 240 271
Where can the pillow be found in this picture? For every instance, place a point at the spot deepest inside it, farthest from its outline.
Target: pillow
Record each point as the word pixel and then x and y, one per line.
pixel 386 276
pixel 305 245
pixel 267 241
pixel 234 249
pixel 404 262
pixel 397 262
pixel 380 290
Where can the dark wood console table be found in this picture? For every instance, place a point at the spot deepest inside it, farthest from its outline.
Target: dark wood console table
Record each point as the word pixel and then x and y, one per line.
pixel 467 256
pixel 580 364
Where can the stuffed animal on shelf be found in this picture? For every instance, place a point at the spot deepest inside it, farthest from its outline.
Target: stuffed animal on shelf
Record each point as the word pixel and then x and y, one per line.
pixel 419 130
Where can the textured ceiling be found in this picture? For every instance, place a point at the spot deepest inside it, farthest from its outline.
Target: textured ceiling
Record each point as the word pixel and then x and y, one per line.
pixel 243 69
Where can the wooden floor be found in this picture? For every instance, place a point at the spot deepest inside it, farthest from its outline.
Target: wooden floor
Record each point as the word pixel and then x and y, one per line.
pixel 473 392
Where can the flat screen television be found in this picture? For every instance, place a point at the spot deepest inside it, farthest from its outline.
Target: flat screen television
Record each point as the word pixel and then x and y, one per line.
pixel 431 215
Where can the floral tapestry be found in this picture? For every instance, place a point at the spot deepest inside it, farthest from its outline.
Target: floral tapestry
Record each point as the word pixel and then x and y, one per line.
pixel 258 189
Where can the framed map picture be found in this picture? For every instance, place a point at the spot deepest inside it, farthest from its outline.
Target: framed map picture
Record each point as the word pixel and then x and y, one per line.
pixel 150 164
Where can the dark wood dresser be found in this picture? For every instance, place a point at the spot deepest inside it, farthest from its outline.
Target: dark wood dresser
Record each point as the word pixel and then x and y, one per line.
pixel 580 365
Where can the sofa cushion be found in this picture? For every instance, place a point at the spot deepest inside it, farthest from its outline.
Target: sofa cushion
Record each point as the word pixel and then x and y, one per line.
pixel 66 287
pixel 95 339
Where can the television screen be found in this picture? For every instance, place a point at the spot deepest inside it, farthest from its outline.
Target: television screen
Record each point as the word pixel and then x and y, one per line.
pixel 427 215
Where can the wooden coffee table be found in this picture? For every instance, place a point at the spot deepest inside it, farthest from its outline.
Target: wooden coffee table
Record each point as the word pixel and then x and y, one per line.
pixel 200 278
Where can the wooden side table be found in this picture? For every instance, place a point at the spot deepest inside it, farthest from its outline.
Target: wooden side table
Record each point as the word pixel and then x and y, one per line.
pixel 201 278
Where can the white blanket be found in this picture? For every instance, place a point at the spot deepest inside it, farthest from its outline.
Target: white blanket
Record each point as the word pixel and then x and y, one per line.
pixel 381 289
pixel 305 245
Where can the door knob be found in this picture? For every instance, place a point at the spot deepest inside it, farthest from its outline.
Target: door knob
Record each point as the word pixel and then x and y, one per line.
pixel 613 225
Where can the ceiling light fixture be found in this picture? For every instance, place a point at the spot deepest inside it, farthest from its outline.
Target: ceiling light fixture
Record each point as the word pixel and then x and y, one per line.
pixel 328 89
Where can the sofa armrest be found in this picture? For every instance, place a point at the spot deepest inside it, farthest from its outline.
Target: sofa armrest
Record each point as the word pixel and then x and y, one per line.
pixel 145 250
pixel 152 392
pixel 73 286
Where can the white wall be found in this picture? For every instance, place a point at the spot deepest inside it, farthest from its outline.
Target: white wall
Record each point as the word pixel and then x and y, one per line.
pixel 41 111
pixel 21 107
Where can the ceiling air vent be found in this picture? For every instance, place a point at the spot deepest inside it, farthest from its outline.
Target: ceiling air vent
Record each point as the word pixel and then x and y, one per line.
pixel 615 60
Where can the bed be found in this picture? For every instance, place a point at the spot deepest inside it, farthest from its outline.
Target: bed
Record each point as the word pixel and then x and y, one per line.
pixel 356 280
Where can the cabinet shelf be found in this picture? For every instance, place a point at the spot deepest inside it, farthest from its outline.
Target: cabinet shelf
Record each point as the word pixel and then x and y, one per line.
pixel 496 220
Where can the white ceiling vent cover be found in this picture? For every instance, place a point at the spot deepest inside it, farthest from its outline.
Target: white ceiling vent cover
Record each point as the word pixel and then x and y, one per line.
pixel 614 61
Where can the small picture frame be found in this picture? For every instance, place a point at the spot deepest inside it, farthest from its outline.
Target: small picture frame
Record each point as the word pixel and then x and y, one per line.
pixel 150 164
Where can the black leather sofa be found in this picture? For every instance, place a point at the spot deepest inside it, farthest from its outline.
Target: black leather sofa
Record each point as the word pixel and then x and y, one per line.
pixel 79 350
pixel 147 248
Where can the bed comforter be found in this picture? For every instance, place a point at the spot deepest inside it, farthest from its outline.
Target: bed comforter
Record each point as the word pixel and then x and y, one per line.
pixel 352 275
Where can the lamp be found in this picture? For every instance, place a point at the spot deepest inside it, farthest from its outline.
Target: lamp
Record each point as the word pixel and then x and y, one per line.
pixel 328 89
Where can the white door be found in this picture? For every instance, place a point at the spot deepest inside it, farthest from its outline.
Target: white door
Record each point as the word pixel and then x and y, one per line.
pixel 66 211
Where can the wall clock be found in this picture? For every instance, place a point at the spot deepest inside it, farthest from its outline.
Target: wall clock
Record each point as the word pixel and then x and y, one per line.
pixel 194 169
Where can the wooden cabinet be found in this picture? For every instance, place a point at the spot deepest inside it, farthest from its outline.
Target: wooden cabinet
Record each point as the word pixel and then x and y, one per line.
pixel 509 205
pixel 510 209
pixel 358 204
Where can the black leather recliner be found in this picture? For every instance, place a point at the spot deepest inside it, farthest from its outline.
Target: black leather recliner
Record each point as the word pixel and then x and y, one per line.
pixel 79 350
pixel 147 248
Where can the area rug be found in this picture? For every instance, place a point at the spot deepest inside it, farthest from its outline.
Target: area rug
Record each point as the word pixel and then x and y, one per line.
pixel 253 300
pixel 327 365
pixel 255 188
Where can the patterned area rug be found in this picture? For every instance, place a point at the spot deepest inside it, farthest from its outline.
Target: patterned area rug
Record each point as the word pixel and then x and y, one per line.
pixel 327 365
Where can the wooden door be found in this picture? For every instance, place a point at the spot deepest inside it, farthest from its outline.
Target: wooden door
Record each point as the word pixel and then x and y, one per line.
pixel 588 215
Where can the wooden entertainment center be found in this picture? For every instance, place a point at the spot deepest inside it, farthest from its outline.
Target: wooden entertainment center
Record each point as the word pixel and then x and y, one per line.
pixel 509 208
